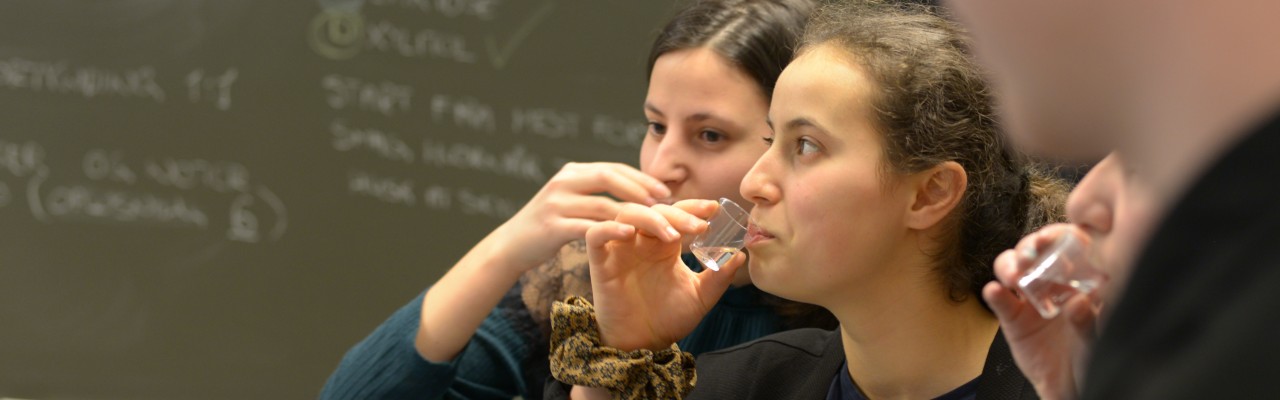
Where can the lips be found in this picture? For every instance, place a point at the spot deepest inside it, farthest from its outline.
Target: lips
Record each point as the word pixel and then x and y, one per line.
pixel 756 234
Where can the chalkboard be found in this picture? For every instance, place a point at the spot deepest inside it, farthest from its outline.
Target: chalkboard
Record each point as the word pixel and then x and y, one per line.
pixel 216 198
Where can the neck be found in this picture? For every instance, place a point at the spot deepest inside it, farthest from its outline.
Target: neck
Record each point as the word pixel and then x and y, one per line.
pixel 913 343
pixel 1210 77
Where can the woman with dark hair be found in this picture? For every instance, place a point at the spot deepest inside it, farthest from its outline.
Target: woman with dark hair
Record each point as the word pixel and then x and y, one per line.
pixel 884 197
pixel 482 330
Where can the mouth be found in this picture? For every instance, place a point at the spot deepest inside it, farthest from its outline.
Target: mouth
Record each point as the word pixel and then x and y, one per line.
pixel 756 234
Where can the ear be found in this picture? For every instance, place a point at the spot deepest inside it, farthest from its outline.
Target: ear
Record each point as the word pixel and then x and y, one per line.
pixel 936 191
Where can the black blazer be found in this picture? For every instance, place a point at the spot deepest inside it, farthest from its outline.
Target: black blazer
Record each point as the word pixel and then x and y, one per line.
pixel 800 364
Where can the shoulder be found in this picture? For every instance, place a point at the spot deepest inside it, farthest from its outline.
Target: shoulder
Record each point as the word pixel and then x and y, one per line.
pixel 809 342
pixel 793 364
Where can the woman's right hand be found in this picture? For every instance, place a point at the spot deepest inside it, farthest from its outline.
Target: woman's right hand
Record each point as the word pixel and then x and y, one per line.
pixel 567 205
pixel 1050 352
pixel 644 295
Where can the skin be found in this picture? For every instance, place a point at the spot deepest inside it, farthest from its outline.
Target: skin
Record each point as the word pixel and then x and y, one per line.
pixel 1109 214
pixel 705 120
pixel 1167 86
pixel 903 336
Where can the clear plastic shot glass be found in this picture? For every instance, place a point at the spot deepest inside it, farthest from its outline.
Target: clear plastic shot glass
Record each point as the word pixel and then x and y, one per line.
pixel 725 235
pixel 1058 274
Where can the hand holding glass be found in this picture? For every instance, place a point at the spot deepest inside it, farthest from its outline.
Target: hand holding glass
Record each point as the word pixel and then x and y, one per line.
pixel 1059 274
pixel 724 237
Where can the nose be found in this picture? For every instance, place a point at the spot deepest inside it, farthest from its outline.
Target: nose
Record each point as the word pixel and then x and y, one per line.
pixel 760 185
pixel 670 158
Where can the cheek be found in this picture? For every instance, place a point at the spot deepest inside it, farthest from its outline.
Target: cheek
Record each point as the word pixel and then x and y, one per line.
pixel 822 217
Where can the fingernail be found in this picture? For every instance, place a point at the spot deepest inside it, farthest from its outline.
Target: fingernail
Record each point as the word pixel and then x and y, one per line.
pixel 626 229
pixel 650 201
pixel 693 226
pixel 1028 253
pixel 672 234
pixel 663 190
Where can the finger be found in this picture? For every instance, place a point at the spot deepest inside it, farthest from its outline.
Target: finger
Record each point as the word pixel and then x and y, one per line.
pixel 1038 242
pixel 655 186
pixel 682 220
pixel 700 208
pixel 601 233
pixel 1003 302
pixel 1007 268
pixel 597 208
pixel 596 178
pixel 576 227
pixel 648 221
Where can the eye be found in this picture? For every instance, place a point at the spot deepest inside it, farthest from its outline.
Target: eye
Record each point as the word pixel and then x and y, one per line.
pixel 657 128
pixel 768 141
pixel 805 146
pixel 712 136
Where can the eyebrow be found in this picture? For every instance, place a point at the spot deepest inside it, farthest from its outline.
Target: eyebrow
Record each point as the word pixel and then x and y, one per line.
pixel 698 117
pixel 801 122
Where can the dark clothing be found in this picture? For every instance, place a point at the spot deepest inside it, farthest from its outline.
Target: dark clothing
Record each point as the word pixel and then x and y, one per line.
pixel 843 388
pixel 800 364
pixel 1199 317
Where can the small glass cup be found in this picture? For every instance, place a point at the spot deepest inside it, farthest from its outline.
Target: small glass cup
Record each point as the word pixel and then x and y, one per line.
pixel 1058 274
pixel 725 235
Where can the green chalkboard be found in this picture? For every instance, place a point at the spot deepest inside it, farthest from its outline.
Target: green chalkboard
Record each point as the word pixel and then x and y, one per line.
pixel 216 198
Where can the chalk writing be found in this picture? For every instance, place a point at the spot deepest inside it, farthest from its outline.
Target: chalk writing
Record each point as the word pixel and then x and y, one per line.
pixel 21 159
pixel 481 9
pixel 100 165
pixel 215 88
pixel 545 122
pixel 80 201
pixel 111 189
pixel 386 37
pixel 219 176
pixel 516 162
pixel 387 189
pixel 473 203
pixel 464 111
pixel 618 132
pixel 437 197
pixel 336 34
pixel 89 82
pixel 499 55
pixel 244 225
pixel 383 144
pixel 383 97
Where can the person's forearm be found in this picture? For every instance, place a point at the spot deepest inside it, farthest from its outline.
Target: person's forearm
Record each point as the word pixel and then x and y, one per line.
pixel 457 304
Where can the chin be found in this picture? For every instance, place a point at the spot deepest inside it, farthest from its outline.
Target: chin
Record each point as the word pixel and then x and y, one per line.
pixel 773 279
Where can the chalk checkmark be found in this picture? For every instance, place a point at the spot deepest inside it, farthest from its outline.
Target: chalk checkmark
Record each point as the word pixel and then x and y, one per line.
pixel 499 55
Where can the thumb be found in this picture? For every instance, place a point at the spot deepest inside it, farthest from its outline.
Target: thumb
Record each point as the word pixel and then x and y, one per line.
pixel 1082 313
pixel 715 283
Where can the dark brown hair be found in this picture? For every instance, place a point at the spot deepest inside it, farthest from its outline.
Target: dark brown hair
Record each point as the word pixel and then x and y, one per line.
pixel 758 36
pixel 933 105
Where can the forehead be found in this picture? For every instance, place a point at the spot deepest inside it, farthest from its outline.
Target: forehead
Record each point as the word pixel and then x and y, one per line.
pixel 824 82
pixel 699 72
